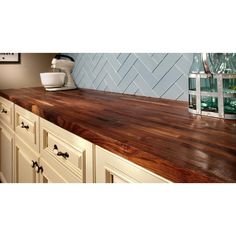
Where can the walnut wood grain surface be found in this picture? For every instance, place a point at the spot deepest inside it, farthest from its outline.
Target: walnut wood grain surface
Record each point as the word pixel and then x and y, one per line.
pixel 158 134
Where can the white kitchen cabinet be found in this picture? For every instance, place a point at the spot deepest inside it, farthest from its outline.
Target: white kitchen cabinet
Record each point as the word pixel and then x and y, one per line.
pixel 30 167
pixel 111 168
pixel 34 150
pixel 62 156
pixel 6 140
pixel 6 154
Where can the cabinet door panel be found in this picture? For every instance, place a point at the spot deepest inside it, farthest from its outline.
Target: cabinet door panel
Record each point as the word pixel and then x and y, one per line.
pixel 24 157
pixel 50 175
pixel 25 173
pixel 55 172
pixel 6 154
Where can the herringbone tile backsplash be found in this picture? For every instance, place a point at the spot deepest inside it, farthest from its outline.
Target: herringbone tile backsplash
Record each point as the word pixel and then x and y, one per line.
pixel 162 75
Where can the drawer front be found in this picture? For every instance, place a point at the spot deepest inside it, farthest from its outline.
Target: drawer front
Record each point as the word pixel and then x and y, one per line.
pixel 70 156
pixel 63 147
pixel 6 112
pixel 27 127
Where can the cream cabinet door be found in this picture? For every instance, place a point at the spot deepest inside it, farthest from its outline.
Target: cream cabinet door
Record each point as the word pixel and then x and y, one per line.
pixel 6 154
pixel 25 163
pixel 52 171
pixel 111 168
pixel 49 174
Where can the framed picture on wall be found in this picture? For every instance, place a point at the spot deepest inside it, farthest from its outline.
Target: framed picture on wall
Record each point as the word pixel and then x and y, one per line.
pixel 9 58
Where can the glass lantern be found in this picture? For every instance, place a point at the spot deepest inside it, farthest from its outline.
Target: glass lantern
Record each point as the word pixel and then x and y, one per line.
pixel 212 85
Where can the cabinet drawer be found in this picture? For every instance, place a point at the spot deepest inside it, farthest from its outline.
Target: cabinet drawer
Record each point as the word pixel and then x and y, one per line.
pixel 64 147
pixel 27 127
pixel 64 152
pixel 6 112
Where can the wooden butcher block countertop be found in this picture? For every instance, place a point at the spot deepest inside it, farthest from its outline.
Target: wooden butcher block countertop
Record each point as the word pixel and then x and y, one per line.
pixel 157 134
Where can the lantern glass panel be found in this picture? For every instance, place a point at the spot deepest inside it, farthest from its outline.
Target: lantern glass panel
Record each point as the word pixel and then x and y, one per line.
pixel 229 85
pixel 208 85
pixel 209 104
pixel 230 105
pixel 192 84
pixel 192 101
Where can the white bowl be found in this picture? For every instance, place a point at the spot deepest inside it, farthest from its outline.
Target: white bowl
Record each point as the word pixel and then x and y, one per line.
pixel 52 79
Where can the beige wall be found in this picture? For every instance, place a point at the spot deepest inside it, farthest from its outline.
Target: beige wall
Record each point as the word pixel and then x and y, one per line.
pixel 25 74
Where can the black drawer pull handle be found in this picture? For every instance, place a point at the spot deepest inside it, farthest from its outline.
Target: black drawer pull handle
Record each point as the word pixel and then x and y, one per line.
pixel 4 111
pixel 63 154
pixel 34 163
pixel 39 169
pixel 24 126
